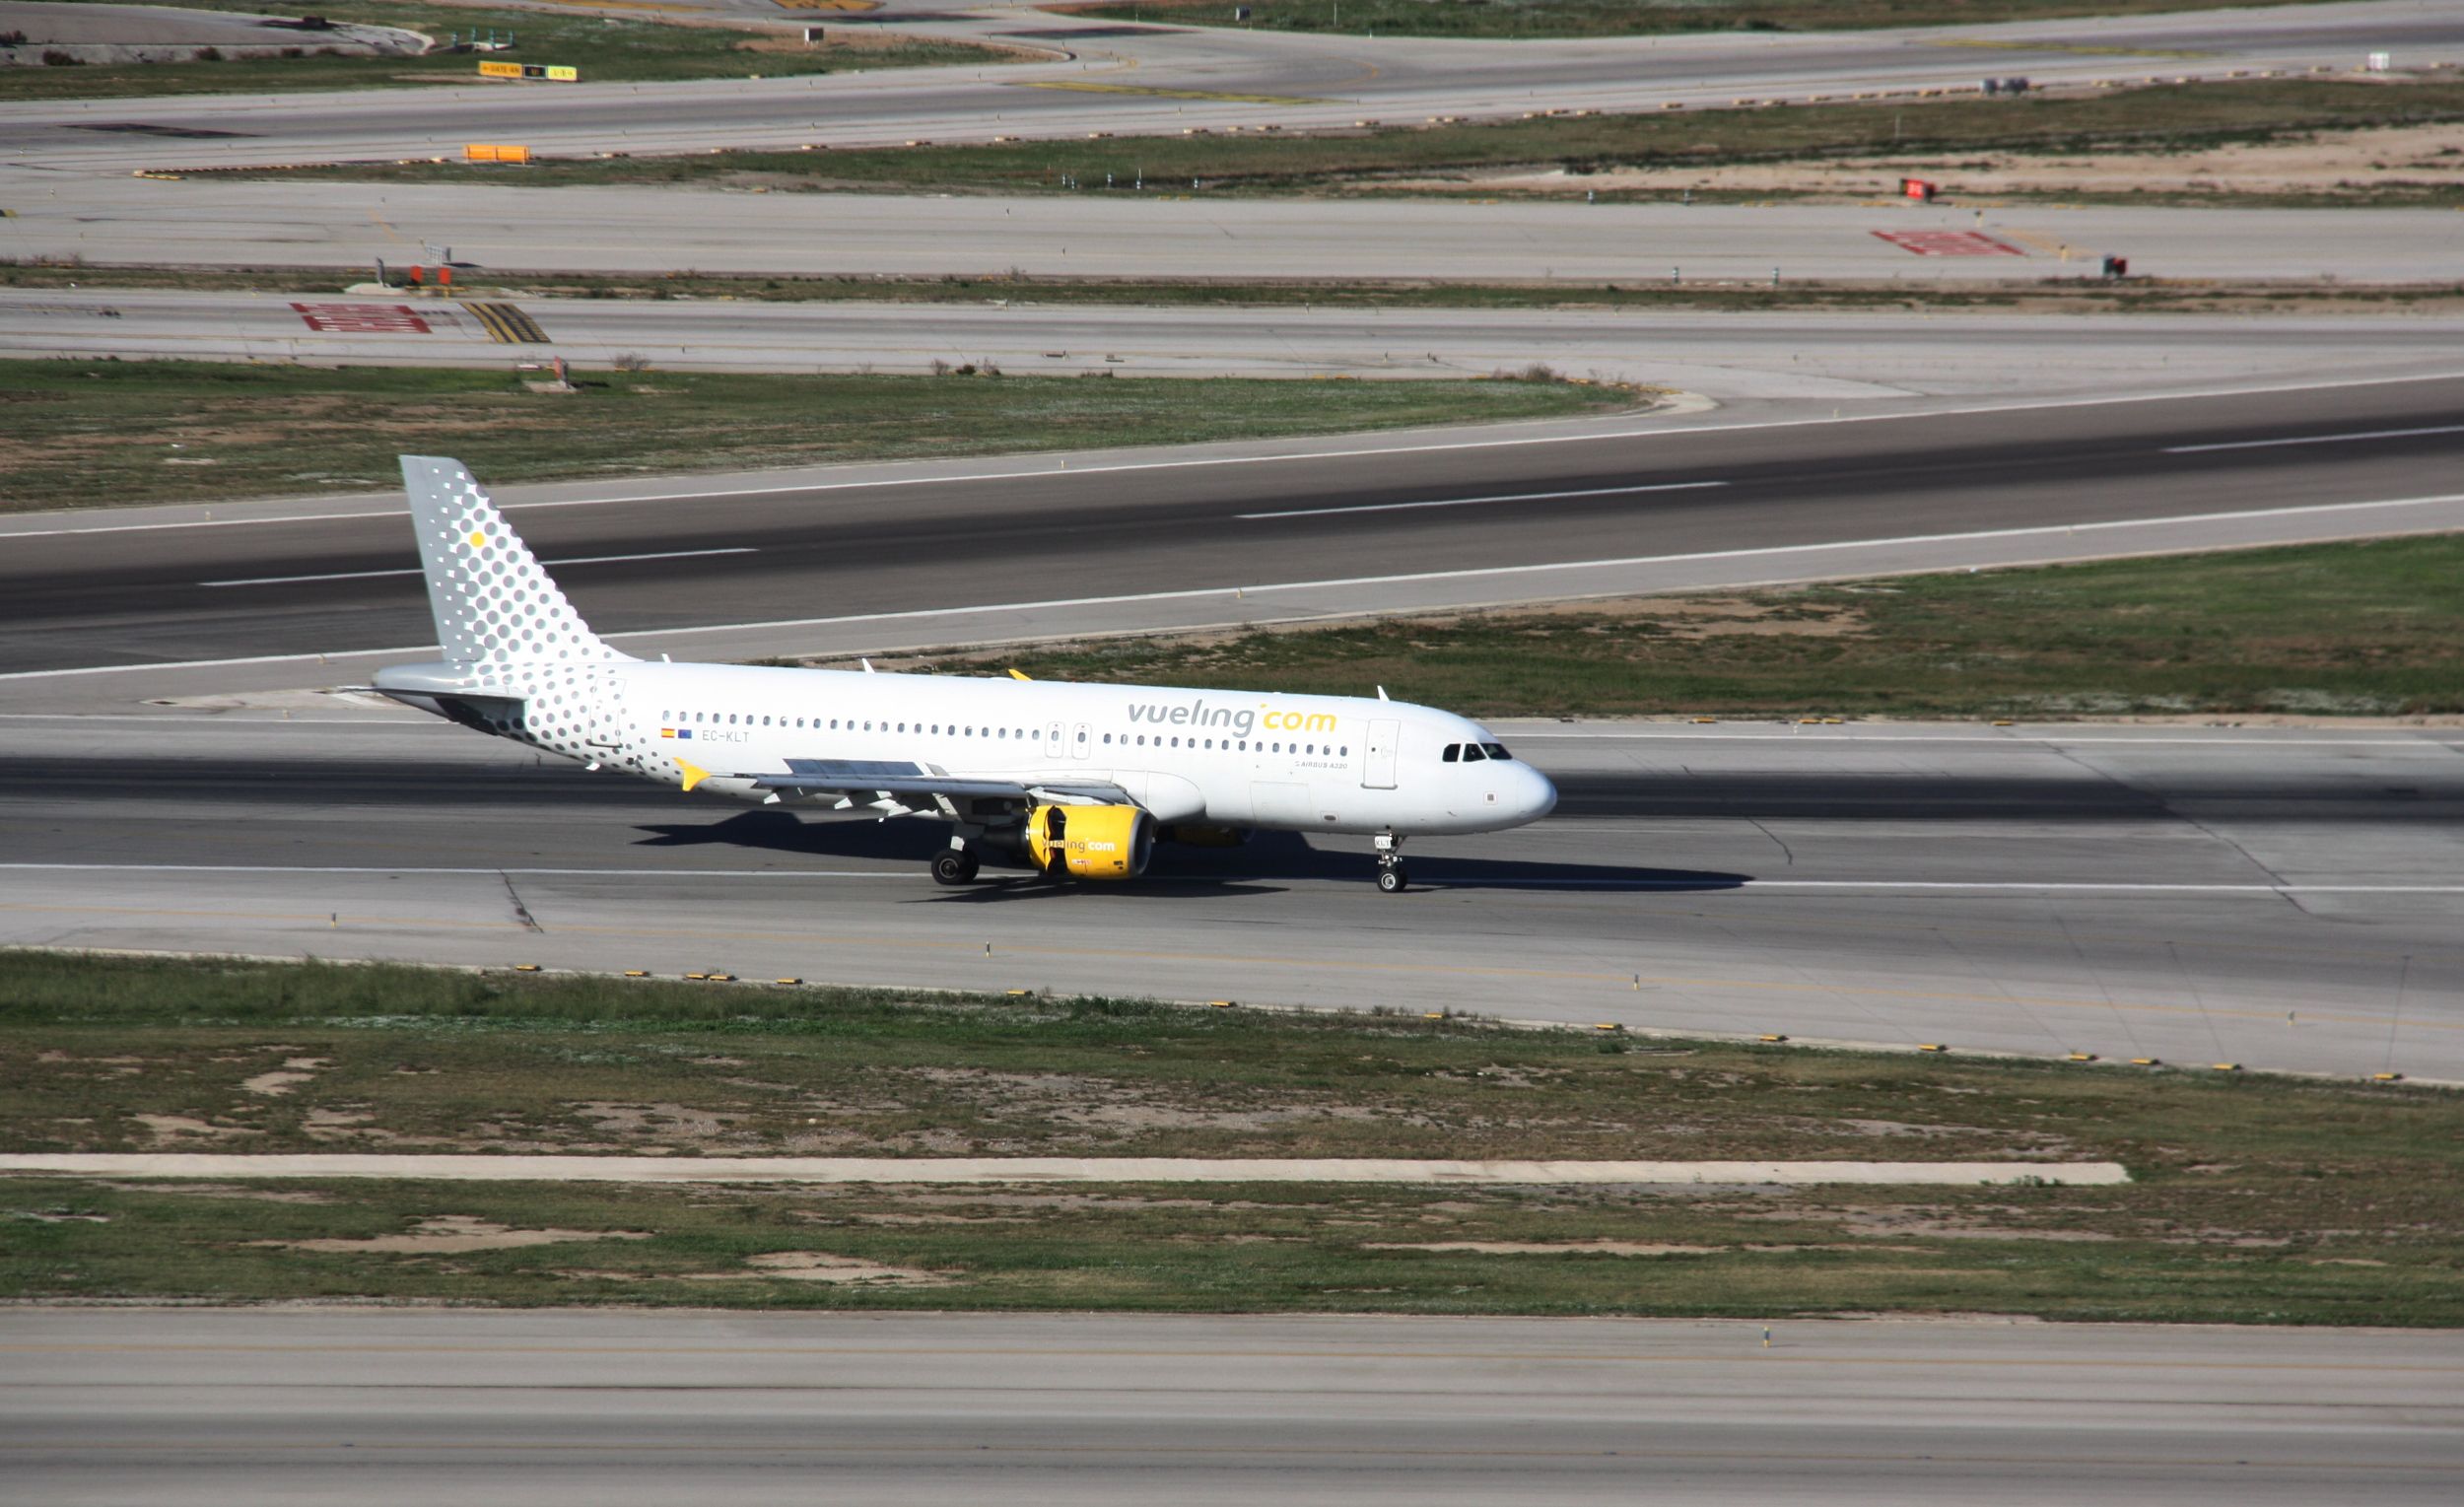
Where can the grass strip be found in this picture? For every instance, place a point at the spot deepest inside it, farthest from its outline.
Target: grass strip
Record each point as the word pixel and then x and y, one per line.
pixel 2256 1200
pixel 607 49
pixel 1510 20
pixel 2181 117
pixel 2069 295
pixel 2360 629
pixel 91 433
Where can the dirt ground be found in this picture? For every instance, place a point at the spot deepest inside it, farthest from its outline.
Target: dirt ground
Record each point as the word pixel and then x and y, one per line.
pixel 2326 163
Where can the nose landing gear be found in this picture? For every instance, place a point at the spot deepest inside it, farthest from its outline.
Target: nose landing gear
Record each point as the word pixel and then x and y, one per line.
pixel 1392 877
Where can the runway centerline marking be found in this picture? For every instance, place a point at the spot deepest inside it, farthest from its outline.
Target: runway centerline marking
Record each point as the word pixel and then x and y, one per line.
pixel 673 554
pixel 1468 502
pixel 2358 435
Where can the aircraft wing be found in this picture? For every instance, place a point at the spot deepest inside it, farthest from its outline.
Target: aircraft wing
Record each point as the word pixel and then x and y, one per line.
pixel 891 777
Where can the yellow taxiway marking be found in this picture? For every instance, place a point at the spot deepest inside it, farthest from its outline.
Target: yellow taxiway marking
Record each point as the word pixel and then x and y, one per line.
pixel 2072 49
pixel 1076 87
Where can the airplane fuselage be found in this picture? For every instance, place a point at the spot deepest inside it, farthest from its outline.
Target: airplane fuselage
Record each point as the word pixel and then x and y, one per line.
pixel 1231 758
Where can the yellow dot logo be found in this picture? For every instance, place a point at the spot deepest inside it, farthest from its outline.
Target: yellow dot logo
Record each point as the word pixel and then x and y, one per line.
pixel 478 541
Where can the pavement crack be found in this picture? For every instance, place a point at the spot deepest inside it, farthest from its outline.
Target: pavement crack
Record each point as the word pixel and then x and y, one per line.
pixel 1776 839
pixel 521 911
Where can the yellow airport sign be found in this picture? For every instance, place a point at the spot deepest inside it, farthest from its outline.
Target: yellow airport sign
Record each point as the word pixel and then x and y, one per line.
pixel 554 72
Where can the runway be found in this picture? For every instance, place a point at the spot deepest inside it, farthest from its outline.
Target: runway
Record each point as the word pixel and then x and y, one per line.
pixel 864 559
pixel 180 1406
pixel 1171 233
pixel 2280 898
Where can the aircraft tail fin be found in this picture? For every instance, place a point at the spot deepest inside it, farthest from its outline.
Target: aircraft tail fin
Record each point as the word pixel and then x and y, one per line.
pixel 492 602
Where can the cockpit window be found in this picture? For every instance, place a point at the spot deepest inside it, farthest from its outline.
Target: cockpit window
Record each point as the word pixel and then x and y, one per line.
pixel 1497 750
pixel 1471 753
pixel 1454 752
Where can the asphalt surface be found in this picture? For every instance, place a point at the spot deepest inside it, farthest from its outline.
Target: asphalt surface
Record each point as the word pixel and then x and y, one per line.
pixel 185 1407
pixel 1157 80
pixel 1164 234
pixel 2280 898
pixel 153 588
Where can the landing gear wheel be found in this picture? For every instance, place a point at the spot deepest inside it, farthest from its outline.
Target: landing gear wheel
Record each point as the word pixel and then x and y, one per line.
pixel 953 865
pixel 1393 878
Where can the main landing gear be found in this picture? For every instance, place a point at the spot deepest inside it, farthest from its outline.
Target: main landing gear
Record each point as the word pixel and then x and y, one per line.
pixel 954 865
pixel 1392 877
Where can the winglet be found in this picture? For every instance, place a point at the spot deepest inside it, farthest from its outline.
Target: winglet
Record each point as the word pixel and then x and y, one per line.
pixel 1015 674
pixel 694 774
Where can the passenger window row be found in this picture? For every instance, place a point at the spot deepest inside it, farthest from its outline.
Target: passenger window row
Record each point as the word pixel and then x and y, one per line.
pixel 957 731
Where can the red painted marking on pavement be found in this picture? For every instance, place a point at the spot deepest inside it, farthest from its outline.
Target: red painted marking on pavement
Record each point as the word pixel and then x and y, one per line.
pixel 1949 243
pixel 362 318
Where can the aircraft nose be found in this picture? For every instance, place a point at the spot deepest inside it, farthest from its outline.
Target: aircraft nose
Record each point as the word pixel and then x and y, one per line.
pixel 1540 796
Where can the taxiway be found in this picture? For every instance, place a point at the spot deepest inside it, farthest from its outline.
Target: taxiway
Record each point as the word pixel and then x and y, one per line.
pixel 187 1407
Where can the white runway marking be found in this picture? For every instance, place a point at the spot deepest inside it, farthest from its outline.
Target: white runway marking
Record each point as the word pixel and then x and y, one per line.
pixel 900 875
pixel 673 554
pixel 1466 502
pixel 2262 445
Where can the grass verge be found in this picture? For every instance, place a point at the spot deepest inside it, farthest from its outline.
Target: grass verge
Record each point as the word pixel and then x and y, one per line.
pixel 606 49
pixel 2069 295
pixel 87 432
pixel 2255 1200
pixel 1509 20
pixel 2170 118
pixel 2364 629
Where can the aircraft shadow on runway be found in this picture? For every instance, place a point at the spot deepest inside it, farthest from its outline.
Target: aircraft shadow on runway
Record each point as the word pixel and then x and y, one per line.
pixel 1254 867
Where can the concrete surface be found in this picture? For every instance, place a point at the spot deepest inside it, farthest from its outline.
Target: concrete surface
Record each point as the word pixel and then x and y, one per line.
pixel 1813 359
pixel 952 1170
pixel 177 1406
pixel 507 227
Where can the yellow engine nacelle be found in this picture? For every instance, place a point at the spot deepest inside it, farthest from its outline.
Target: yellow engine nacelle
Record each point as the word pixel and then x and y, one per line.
pixel 1091 841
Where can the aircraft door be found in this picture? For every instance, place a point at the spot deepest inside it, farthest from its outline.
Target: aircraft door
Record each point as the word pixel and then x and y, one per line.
pixel 605 715
pixel 1082 741
pixel 1055 745
pixel 1378 773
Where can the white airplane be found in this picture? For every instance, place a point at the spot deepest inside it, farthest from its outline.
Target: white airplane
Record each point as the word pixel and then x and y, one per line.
pixel 1078 781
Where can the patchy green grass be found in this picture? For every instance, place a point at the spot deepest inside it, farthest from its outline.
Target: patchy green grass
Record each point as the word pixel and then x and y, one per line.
pixel 91 433
pixel 2256 1200
pixel 2176 117
pixel 1509 20
pixel 2068 295
pixel 2366 629
pixel 606 49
